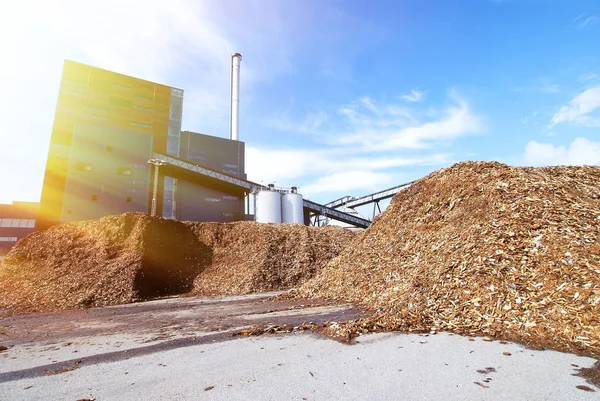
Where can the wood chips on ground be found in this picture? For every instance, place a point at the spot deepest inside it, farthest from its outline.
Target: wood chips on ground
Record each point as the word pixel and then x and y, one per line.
pixel 481 248
pixel 131 257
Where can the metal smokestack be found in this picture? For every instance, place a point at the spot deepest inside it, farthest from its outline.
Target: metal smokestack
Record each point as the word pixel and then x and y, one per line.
pixel 234 129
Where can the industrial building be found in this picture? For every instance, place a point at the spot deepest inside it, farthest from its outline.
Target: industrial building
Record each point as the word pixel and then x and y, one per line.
pixel 117 146
pixel 17 220
pixel 106 128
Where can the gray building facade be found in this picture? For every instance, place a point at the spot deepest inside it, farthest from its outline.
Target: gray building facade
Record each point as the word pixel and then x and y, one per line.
pixel 198 201
pixel 106 128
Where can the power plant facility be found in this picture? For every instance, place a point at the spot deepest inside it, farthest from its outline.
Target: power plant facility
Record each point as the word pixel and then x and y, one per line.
pixel 117 146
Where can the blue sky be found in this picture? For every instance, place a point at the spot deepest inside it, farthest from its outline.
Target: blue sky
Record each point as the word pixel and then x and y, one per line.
pixel 338 97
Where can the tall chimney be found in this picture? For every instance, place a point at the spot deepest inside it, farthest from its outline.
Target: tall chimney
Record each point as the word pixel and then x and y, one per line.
pixel 234 129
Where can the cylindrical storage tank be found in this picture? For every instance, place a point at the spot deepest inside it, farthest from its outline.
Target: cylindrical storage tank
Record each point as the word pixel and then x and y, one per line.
pixel 292 208
pixel 268 207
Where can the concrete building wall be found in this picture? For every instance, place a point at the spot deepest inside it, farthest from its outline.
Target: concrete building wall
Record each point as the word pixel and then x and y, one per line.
pixel 107 173
pixel 115 102
pixel 200 203
pixel 106 127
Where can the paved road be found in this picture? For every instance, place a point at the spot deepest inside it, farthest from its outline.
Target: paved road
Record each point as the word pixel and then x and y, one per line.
pixel 182 349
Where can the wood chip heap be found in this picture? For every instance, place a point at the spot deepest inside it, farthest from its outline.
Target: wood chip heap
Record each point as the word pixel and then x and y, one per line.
pixel 131 257
pixel 481 248
pixel 252 257
pixel 113 260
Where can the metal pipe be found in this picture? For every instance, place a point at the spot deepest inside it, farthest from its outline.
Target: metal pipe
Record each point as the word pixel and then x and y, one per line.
pixel 156 163
pixel 234 129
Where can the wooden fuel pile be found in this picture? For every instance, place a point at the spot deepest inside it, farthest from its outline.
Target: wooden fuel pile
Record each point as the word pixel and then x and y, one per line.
pixel 132 257
pixel 252 257
pixel 480 248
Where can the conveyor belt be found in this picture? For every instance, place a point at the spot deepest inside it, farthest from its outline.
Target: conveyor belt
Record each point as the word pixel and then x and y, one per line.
pixel 240 185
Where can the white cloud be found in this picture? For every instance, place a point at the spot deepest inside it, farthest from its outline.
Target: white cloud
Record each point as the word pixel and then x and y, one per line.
pixel 414 96
pixel 581 151
pixel 370 137
pixel 548 87
pixel 182 43
pixel 587 77
pixel 585 21
pixel 578 110
pixel 386 127
pixel 349 181
pixel 312 169
pixel 268 164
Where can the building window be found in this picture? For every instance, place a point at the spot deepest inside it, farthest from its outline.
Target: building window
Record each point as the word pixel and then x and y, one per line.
pixel 83 166
pixel 94 198
pixel 78 83
pixel 142 108
pixel 17 223
pixel 230 198
pixel 94 116
pixel 8 239
pixel 94 109
pixel 120 102
pixel 66 92
pixel 124 170
pixel 127 88
pixel 212 199
pixel 148 99
pixel 128 199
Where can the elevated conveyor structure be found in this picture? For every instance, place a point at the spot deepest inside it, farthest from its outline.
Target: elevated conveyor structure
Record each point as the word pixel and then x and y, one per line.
pixel 182 169
pixel 353 202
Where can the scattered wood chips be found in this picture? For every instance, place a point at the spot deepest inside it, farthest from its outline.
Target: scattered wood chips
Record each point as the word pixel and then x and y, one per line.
pixel 131 257
pixel 481 248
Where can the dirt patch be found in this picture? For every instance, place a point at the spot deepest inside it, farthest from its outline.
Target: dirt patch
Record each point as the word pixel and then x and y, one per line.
pixel 592 375
pixel 481 248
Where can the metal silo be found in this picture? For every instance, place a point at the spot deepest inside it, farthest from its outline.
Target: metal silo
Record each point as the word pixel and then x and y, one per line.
pixel 268 206
pixel 292 208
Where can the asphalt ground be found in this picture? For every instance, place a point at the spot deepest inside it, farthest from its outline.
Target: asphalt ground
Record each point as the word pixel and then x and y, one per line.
pixel 184 349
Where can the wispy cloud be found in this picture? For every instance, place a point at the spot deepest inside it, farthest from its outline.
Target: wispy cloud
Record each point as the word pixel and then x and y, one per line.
pixel 579 152
pixel 364 145
pixel 580 110
pixel 414 96
pixel 546 86
pixel 384 127
pixel 350 181
pixel 541 85
pixel 315 170
pixel 585 21
pixel 591 76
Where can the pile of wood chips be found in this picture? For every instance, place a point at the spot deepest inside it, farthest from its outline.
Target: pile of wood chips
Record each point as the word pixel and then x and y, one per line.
pixel 131 257
pixel 481 249
pixel 252 257
pixel 113 260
